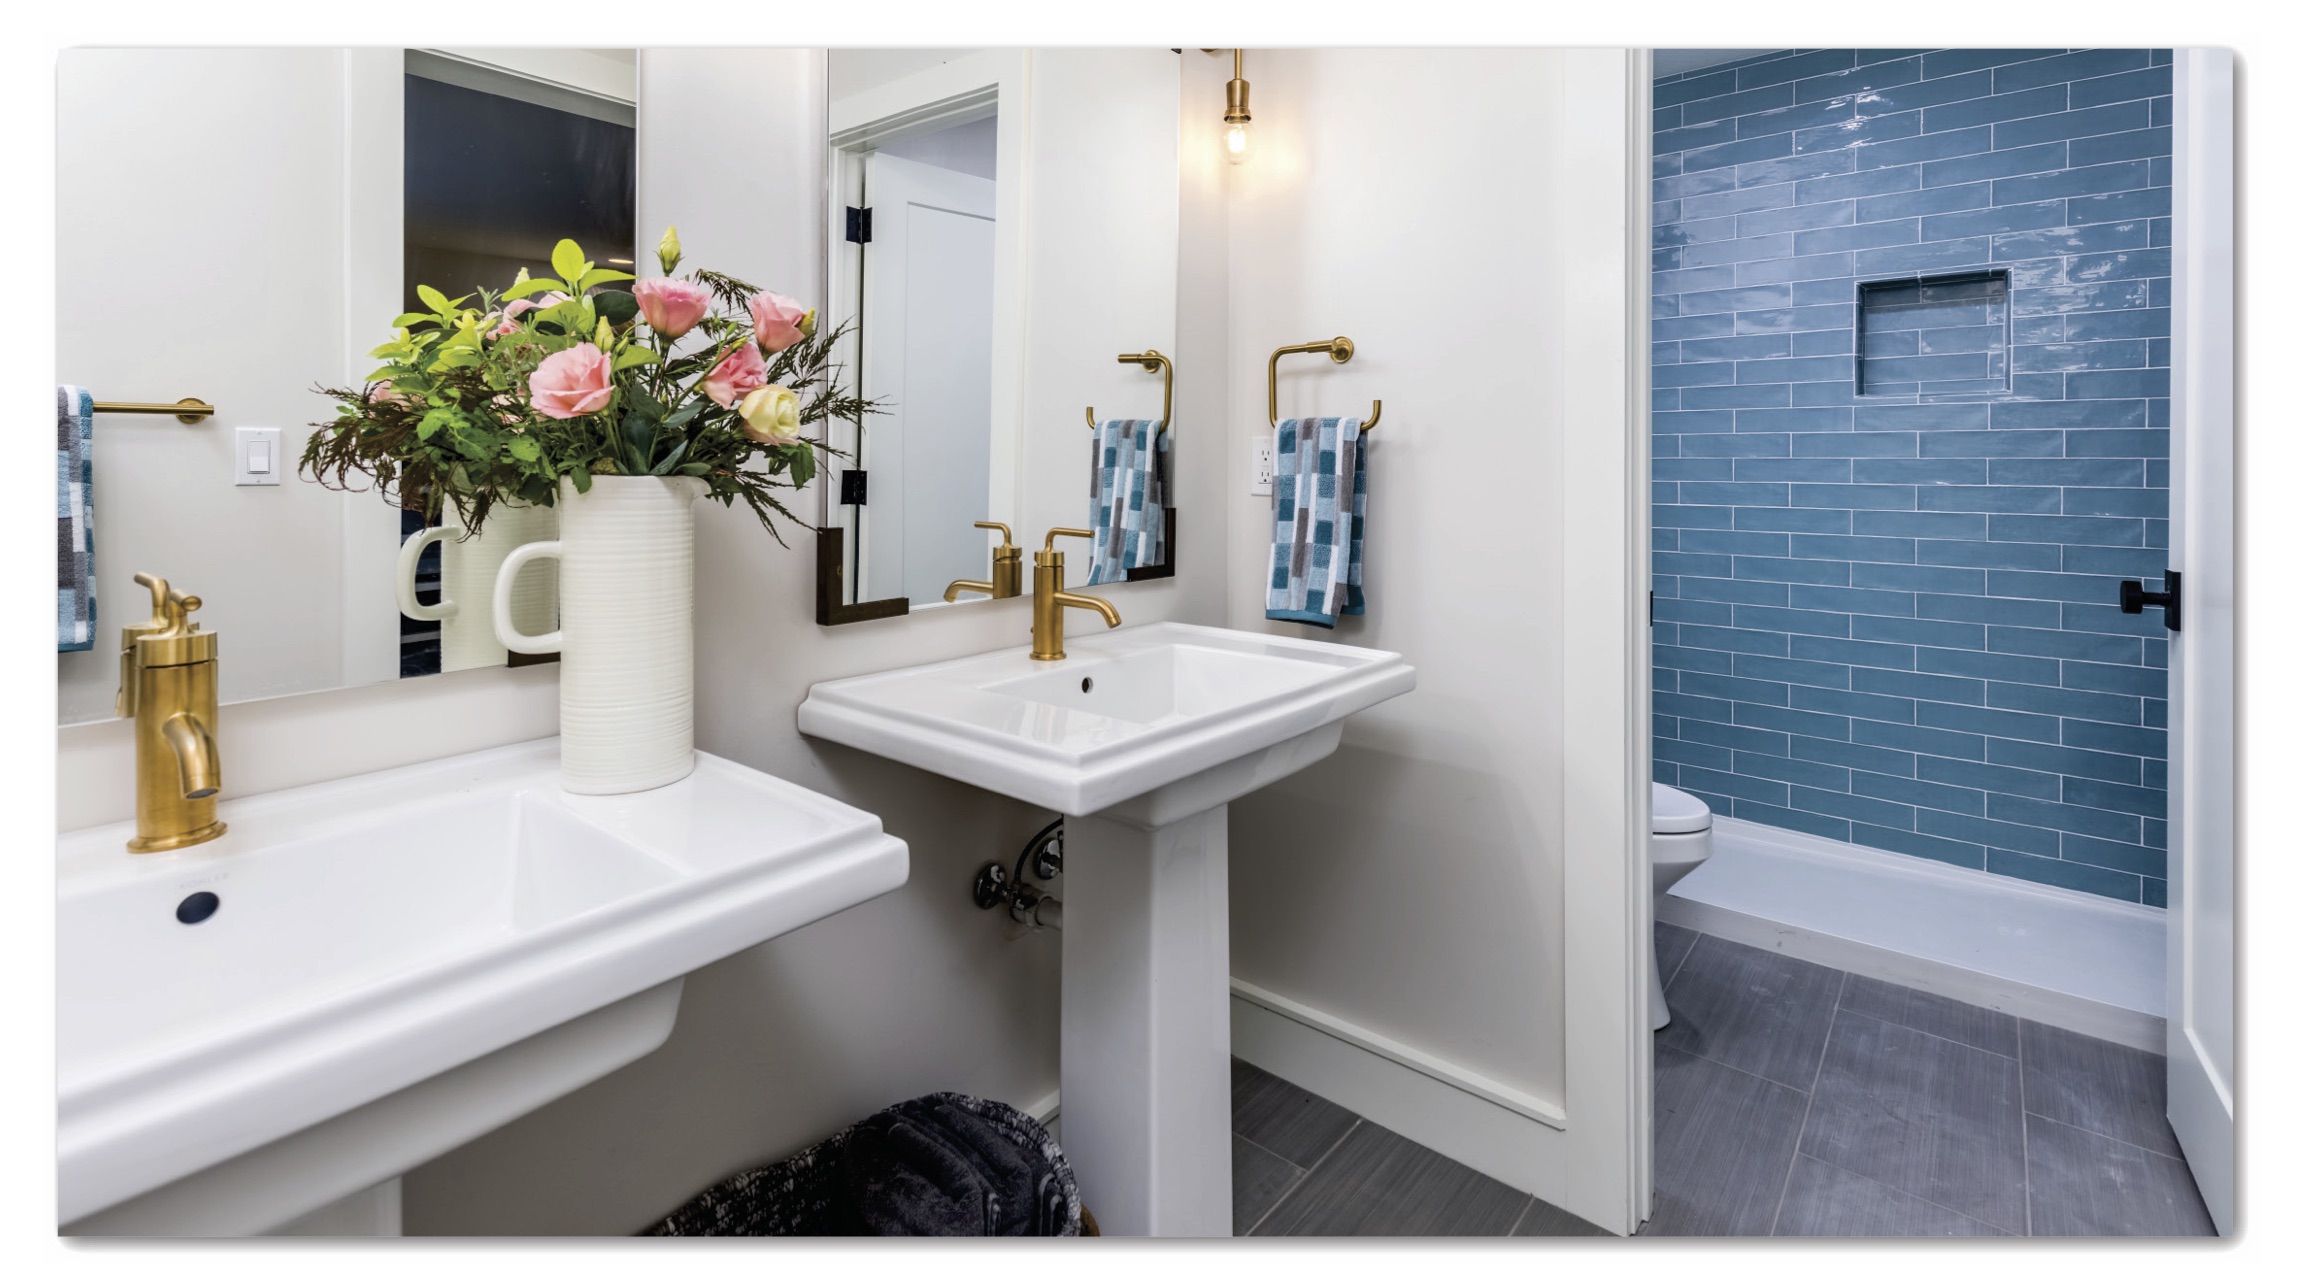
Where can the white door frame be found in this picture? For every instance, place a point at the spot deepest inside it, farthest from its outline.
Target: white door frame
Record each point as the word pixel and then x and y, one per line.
pixel 2201 826
pixel 1609 1050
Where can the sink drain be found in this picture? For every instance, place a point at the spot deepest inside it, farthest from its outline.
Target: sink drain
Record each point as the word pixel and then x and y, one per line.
pixel 197 907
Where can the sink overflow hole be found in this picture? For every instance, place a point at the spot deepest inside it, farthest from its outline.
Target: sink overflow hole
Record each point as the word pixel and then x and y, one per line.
pixel 197 907
pixel 1086 684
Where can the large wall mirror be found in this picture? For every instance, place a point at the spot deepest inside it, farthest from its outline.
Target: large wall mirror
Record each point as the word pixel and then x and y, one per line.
pixel 1022 236
pixel 1003 247
pixel 336 181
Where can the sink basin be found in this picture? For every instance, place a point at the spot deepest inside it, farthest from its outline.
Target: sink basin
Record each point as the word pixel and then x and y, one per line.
pixel 353 941
pixel 1140 738
pixel 1128 713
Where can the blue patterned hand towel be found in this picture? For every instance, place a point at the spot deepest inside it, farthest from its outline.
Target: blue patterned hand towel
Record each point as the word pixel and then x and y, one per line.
pixel 1127 501
pixel 75 519
pixel 1318 521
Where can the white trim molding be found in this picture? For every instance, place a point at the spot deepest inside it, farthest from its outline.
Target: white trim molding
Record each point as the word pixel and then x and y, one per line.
pixel 1395 1087
pixel 1447 1072
pixel 1607 890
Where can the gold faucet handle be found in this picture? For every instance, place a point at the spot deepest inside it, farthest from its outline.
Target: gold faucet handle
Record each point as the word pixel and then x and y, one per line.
pixel 1065 530
pixel 1006 536
pixel 161 592
pixel 171 610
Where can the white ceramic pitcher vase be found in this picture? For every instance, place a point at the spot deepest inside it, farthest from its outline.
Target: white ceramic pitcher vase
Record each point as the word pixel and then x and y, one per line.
pixel 626 638
pixel 469 564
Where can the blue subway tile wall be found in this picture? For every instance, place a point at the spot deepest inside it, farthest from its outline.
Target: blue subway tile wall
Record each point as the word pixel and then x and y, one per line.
pixel 1885 615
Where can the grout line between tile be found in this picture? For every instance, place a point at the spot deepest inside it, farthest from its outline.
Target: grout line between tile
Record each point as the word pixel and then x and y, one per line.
pixel 1908 1194
pixel 1837 998
pixel 1707 1060
pixel 1513 1231
pixel 2022 1100
pixel 1265 1213
pixel 1870 1016
pixel 1300 1181
pixel 1689 953
pixel 2115 1140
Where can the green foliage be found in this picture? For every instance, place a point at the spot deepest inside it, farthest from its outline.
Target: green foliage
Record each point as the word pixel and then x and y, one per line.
pixel 447 419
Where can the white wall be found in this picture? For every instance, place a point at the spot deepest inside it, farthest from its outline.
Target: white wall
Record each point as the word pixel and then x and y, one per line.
pixel 908 993
pixel 200 243
pixel 1437 207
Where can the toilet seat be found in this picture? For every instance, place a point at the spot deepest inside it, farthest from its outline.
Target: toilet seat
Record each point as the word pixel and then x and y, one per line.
pixel 1677 813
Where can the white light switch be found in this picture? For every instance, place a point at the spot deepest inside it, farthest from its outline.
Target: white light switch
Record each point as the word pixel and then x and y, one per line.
pixel 1260 463
pixel 258 452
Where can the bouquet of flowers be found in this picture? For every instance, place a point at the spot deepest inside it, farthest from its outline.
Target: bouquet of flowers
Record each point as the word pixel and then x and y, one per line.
pixel 499 396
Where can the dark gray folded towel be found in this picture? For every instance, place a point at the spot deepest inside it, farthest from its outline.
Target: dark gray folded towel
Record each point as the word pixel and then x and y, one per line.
pixel 941 1165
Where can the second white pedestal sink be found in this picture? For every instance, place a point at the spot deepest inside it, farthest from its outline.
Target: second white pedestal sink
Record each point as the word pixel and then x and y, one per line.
pixel 1141 738
pixel 365 973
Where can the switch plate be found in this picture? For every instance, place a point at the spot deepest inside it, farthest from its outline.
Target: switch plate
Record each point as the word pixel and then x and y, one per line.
pixel 256 456
pixel 1261 462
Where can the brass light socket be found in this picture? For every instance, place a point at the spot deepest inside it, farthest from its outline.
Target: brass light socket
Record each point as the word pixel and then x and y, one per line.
pixel 1235 102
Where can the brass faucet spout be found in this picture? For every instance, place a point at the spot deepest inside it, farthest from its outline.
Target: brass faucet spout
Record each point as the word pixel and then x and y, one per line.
pixel 969 585
pixel 1083 602
pixel 195 751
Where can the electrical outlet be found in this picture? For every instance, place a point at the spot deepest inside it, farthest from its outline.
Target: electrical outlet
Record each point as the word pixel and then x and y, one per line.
pixel 1259 466
pixel 257 454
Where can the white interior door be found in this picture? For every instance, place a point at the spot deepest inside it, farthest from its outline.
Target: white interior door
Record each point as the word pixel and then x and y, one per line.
pixel 2201 832
pixel 927 357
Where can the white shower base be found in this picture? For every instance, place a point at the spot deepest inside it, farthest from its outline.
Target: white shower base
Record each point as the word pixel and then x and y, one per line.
pixel 2084 963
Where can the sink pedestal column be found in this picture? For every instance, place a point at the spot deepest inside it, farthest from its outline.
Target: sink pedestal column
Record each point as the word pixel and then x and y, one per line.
pixel 1146 1116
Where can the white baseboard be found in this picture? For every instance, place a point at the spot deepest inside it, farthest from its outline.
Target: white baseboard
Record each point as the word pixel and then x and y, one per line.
pixel 1048 1112
pixel 1518 1139
pixel 2065 959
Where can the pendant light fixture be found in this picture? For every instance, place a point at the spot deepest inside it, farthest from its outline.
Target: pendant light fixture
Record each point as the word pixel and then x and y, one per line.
pixel 1238 124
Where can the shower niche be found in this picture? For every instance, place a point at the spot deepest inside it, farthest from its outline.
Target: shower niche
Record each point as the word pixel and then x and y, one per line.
pixel 1937 339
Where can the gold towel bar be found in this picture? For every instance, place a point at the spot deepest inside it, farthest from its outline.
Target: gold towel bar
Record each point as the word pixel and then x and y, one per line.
pixel 189 410
pixel 1340 349
pixel 1151 360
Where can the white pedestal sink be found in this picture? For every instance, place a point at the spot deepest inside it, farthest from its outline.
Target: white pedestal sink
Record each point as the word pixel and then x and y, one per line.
pixel 362 974
pixel 1141 738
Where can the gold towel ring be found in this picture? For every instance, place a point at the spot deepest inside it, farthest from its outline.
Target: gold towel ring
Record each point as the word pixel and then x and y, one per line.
pixel 1151 360
pixel 1340 349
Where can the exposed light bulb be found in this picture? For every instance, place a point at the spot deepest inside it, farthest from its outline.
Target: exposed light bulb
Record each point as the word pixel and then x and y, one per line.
pixel 1238 130
pixel 1238 136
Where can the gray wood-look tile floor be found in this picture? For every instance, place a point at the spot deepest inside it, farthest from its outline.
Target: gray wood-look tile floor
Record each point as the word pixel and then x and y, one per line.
pixel 1790 1099
pixel 1306 1167
pixel 1794 1099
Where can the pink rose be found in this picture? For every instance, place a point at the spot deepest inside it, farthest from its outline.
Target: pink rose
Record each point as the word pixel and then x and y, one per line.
pixel 523 304
pixel 777 321
pixel 670 306
pixel 572 382
pixel 742 371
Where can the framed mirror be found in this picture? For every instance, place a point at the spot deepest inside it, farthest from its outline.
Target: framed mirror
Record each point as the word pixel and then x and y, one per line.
pixel 355 175
pixel 1003 231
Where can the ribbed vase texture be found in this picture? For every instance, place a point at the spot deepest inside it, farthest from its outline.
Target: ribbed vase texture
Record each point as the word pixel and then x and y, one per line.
pixel 627 619
pixel 468 569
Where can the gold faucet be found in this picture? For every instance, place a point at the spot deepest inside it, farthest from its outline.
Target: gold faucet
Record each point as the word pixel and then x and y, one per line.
pixel 1006 569
pixel 1048 599
pixel 168 684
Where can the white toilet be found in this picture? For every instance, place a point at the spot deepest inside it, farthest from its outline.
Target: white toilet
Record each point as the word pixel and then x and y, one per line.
pixel 1681 842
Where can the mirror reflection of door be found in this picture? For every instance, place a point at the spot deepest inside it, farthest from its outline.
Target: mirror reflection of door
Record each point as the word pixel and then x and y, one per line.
pixel 926 355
